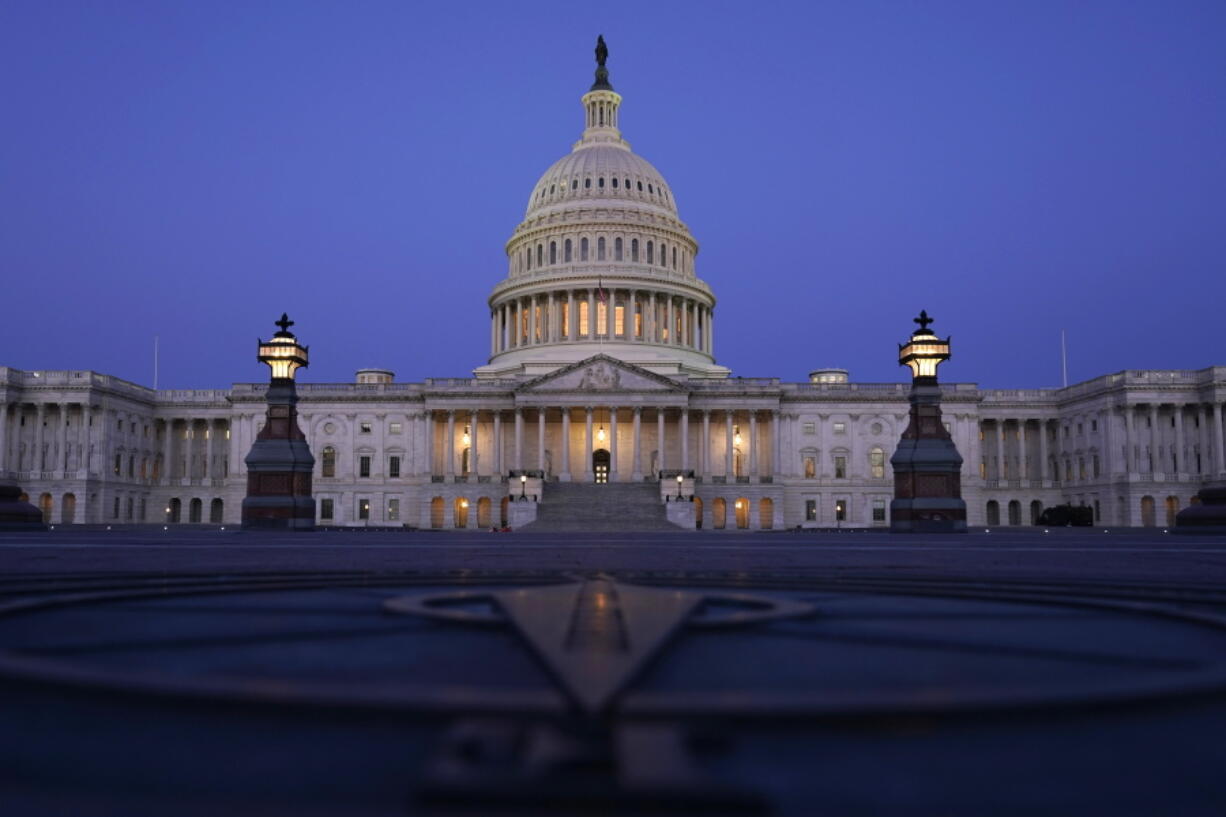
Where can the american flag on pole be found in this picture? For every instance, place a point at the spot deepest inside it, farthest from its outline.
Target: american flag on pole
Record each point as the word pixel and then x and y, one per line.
pixel 601 295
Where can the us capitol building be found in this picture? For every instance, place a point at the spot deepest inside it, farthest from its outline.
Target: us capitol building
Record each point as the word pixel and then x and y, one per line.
pixel 602 369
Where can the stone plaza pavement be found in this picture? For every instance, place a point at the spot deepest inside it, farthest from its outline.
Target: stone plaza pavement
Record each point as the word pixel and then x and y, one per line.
pixel 202 671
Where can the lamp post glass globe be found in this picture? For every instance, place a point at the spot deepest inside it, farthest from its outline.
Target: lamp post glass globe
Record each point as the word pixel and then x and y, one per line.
pixel 680 479
pixel 523 485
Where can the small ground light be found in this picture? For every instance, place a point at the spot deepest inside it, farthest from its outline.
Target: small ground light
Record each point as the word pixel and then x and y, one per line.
pixel 108 527
pixel 165 527
pixel 985 530
pixel 1045 530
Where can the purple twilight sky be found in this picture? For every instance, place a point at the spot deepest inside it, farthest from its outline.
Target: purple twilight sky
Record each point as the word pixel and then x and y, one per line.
pixel 192 169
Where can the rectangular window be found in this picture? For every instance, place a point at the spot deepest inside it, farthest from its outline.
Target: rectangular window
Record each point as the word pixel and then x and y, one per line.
pixel 393 428
pixel 363 509
pixel 537 313
pixel 809 428
pixel 115 509
pixel 878 510
pixel 840 467
pixel 565 319
pixel 1095 465
pixel 583 327
pixel 810 468
pixel 364 466
pixel 983 469
pixel 364 428
pixel 325 509
pixel 1094 425
pixel 393 510
pixel 876 459
pixel 840 428
pixel 810 510
pixel 602 318
pixel 118 464
pixel 840 510
pixel 619 321
pixel 393 467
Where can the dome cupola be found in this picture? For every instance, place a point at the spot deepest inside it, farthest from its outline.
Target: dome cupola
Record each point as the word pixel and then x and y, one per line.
pixel 601 263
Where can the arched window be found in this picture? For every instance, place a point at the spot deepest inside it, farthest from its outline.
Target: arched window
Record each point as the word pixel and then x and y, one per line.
pixel 634 249
pixel 649 188
pixel 329 462
pixel 540 254
pixel 552 189
pixel 583 249
pixel 600 182
pixel 1015 512
pixel 566 251
pixel 674 257
pixel 650 253
pixel 600 249
pixel 627 184
pixel 876 462
pixel 663 254
pixel 587 183
pixel 528 259
pixel 614 182
pixel 216 511
pixel 553 252
pixel 640 187
pixel 617 249
pixel 574 184
pixel 993 512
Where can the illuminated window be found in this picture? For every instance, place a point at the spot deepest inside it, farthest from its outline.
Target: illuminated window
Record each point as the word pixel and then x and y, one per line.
pixel 619 320
pixel 565 327
pixel 364 466
pixel 876 461
pixel 983 469
pixel 878 510
pixel 363 509
pixel 393 428
pixel 810 468
pixel 583 319
pixel 809 428
pixel 536 311
pixel 638 320
pixel 602 318
pixel 840 428
pixel 329 462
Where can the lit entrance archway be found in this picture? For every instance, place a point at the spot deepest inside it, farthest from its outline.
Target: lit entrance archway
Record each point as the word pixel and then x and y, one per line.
pixel 68 509
pixel 698 512
pixel 600 465
pixel 742 513
pixel 45 504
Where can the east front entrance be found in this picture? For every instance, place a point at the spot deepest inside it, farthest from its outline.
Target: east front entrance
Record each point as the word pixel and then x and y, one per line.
pixel 600 465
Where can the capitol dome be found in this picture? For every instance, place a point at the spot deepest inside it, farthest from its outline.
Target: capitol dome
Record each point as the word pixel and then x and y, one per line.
pixel 601 263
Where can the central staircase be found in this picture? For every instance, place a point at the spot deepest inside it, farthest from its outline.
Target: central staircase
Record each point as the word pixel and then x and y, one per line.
pixel 614 507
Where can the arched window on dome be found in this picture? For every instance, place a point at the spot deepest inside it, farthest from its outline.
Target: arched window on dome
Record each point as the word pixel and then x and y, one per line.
pixel 617 249
pixel 540 255
pixel 528 260
pixel 650 189
pixel 587 183
pixel 566 251
pixel 640 187
pixel 574 184
pixel 553 252
pixel 650 253
pixel 663 254
pixel 674 257
pixel 615 182
pixel 627 184
pixel 600 182
pixel 583 249
pixel 552 189
pixel 634 249
pixel 600 249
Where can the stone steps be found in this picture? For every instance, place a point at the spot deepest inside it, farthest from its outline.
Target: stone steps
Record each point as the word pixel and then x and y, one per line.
pixel 589 507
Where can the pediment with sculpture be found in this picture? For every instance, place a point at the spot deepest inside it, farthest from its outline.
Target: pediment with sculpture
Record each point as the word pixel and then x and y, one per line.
pixel 601 373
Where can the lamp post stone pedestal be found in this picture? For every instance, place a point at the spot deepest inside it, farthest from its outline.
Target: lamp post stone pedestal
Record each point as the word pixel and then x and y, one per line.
pixel 280 464
pixel 927 465
pixel 16 513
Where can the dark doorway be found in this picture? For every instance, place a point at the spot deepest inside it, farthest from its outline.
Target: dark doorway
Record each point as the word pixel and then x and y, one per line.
pixel 600 465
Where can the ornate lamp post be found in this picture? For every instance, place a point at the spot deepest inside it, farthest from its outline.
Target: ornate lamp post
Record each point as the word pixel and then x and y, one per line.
pixel 680 480
pixel 280 464
pixel 927 465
